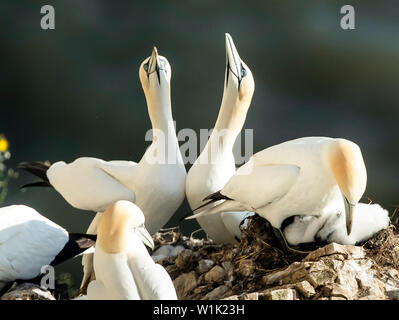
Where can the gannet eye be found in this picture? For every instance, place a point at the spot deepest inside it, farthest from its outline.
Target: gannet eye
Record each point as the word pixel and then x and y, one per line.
pixel 243 72
pixel 145 67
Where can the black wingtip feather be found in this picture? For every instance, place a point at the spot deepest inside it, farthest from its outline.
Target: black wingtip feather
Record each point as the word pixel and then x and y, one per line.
pixel 212 198
pixel 37 168
pixel 77 243
pixel 37 184
pixel 216 197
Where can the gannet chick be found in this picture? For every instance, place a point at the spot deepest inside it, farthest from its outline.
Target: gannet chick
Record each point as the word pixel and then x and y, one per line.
pixel 124 269
pixel 29 241
pixel 368 219
pixel 216 164
pixel 166 251
pixel 305 177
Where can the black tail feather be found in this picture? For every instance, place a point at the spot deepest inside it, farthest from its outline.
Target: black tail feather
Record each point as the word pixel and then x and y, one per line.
pixel 77 243
pixel 38 169
pixel 216 197
pixel 212 198
pixel 37 184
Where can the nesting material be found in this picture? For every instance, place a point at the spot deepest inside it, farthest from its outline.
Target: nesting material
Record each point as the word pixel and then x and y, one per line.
pixel 261 267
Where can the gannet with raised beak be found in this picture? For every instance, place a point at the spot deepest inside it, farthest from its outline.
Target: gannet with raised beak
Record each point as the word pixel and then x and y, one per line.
pixel 156 184
pixel 216 164
pixel 124 269
pixel 312 176
pixel 29 241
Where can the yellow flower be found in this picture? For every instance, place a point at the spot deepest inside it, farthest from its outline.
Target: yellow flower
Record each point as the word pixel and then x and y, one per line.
pixel 3 144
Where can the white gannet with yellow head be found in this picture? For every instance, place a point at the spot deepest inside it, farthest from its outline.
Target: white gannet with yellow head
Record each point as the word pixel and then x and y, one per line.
pixel 156 183
pixel 123 267
pixel 216 163
pixel 312 176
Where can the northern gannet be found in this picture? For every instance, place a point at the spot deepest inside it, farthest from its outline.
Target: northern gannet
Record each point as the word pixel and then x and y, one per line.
pixel 29 241
pixel 124 269
pixel 216 164
pixel 156 184
pixel 302 177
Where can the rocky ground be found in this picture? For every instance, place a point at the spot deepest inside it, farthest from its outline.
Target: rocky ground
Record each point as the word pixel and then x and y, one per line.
pixel 261 267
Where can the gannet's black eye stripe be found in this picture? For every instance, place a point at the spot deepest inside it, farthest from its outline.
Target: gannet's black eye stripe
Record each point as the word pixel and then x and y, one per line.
pixel 243 74
pixel 140 226
pixel 234 73
pixel 159 66
pixel 227 73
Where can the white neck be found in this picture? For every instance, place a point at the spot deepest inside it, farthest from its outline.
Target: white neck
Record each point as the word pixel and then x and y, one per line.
pixel 228 126
pixel 164 135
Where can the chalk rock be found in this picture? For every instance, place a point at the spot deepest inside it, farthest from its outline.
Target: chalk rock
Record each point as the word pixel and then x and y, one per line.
pixel 279 294
pixel 183 259
pixel 216 274
pixel 204 265
pixel 335 272
pixel 185 283
pixel 244 296
pixel 217 293
pixel 27 291
pixel 305 288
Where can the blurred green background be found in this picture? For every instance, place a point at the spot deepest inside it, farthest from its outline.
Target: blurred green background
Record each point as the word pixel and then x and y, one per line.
pixel 74 91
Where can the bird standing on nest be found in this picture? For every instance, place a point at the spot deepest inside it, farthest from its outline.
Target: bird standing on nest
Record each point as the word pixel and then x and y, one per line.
pixel 216 164
pixel 315 177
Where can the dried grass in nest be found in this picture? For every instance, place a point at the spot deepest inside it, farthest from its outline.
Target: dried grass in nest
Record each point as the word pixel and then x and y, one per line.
pixel 260 252
pixel 383 247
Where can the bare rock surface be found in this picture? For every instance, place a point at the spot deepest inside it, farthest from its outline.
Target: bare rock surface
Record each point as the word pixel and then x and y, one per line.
pixel 27 291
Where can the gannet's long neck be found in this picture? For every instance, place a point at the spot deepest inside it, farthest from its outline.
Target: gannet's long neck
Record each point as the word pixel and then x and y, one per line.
pixel 164 134
pixel 160 108
pixel 228 125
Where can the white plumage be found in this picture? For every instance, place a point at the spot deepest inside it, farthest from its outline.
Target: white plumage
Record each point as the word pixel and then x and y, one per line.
pixel 306 177
pixel 216 163
pixel 123 267
pixel 368 219
pixel 28 241
pixel 156 183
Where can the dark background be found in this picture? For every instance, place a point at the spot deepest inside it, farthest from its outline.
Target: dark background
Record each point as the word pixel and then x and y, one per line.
pixel 75 91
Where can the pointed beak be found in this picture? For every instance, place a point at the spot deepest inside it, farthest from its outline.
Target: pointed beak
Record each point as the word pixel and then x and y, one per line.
pixel 145 237
pixel 153 62
pixel 199 214
pixel 233 60
pixel 349 208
